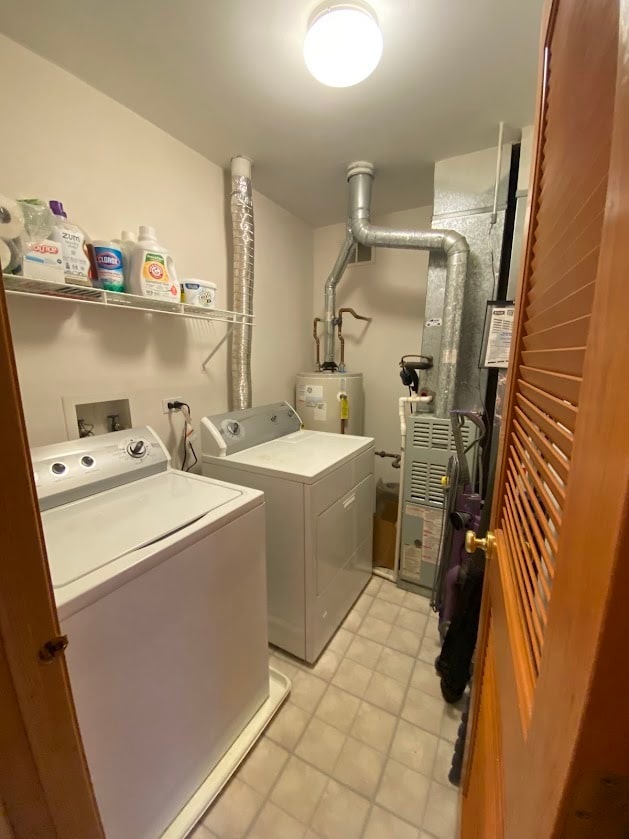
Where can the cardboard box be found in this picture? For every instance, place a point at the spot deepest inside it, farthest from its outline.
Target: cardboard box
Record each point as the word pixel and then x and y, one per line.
pixel 384 535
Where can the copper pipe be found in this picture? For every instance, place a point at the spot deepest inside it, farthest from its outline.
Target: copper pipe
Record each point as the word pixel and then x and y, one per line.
pixel 317 342
pixel 353 314
pixel 339 319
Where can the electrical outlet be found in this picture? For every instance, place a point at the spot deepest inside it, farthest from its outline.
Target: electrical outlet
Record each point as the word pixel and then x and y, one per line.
pixel 166 409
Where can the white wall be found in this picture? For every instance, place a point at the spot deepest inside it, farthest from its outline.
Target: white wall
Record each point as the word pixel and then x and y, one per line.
pixel 392 291
pixel 112 169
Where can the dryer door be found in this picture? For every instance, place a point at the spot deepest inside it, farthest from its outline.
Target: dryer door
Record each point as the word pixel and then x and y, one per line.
pixel 339 564
pixel 344 536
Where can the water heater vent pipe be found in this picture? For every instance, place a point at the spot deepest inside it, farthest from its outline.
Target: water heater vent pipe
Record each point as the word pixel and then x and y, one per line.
pixel 360 230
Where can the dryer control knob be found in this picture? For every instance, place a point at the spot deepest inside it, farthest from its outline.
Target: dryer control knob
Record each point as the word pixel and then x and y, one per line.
pixel 137 448
pixel 233 427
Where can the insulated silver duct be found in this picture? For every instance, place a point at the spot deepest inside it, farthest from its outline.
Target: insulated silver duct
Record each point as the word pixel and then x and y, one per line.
pixel 242 280
pixel 453 244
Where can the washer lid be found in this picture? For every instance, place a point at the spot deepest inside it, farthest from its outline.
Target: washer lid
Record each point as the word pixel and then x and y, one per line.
pixel 303 456
pixel 86 535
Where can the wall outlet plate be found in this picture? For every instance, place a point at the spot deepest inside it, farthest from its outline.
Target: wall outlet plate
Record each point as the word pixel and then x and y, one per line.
pixel 166 409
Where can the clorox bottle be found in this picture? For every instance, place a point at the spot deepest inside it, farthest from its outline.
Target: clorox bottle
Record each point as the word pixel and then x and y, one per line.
pixel 108 261
pixel 152 272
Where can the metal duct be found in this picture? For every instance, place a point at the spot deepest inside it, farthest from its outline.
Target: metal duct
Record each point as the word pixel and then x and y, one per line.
pixel 333 280
pixel 242 279
pixel 359 229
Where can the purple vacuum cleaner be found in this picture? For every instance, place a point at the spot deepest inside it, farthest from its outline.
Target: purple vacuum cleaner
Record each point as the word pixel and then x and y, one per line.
pixel 461 511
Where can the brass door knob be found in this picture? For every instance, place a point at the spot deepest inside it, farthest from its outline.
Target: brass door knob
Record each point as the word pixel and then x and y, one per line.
pixel 473 543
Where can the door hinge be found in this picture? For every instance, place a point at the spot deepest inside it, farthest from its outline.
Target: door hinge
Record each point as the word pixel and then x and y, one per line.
pixel 51 649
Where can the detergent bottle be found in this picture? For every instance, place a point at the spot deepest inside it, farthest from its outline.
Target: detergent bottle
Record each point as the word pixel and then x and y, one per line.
pixel 152 270
pixel 128 241
pixel 75 243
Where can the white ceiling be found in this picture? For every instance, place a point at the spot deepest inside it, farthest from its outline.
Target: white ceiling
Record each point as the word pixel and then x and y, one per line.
pixel 227 77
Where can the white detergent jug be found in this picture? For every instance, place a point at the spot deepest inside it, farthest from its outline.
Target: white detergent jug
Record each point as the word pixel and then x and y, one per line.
pixel 152 272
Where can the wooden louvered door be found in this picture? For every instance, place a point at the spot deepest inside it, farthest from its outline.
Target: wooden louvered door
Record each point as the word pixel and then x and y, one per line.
pixel 548 743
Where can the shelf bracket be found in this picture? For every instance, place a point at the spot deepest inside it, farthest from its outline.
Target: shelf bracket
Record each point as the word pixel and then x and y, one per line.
pixel 228 332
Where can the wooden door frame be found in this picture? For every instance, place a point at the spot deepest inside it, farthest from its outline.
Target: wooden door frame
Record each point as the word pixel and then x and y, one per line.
pixel 44 780
pixel 582 735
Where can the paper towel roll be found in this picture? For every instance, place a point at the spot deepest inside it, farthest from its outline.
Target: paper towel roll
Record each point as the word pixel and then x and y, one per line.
pixel 11 218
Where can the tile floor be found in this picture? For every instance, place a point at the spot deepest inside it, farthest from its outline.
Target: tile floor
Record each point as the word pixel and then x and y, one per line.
pixel 363 745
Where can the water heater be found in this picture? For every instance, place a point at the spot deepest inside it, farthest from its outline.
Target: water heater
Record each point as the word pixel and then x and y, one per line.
pixel 331 401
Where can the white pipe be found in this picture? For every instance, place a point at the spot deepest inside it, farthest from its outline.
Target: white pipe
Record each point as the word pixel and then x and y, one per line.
pixel 241 167
pixel 402 403
pixel 494 213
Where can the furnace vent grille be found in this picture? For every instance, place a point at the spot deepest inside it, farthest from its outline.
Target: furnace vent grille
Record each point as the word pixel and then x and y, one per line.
pixel 429 446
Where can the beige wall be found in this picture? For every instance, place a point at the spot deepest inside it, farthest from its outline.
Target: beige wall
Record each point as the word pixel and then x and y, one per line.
pixel 392 291
pixel 112 169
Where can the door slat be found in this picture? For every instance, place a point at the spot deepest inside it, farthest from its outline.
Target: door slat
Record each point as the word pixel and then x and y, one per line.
pixel 544 496
pixel 556 244
pixel 557 384
pixel 568 360
pixel 526 610
pixel 573 306
pixel 560 411
pixel 563 284
pixel 571 334
pixel 557 460
pixel 543 564
pixel 548 537
pixel 550 235
pixel 535 461
pixel 565 195
pixel 536 604
pixel 561 437
pixel 523 658
pixel 572 252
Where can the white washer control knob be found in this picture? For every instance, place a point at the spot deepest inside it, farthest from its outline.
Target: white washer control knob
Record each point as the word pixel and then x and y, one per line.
pixel 137 448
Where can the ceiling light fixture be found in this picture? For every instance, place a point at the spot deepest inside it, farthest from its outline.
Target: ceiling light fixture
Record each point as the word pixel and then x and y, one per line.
pixel 343 44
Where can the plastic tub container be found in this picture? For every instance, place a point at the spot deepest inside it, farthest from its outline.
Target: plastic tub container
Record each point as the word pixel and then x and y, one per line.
pixel 198 293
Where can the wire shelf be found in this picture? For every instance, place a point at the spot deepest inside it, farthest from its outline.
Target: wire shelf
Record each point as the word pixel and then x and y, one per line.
pixel 117 300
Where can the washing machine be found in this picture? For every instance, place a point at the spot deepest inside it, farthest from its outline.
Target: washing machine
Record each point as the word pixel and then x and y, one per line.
pixel 159 579
pixel 319 493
